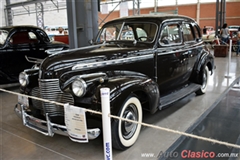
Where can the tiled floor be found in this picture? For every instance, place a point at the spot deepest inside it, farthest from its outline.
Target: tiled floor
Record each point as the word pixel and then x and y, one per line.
pixel 20 143
pixel 220 123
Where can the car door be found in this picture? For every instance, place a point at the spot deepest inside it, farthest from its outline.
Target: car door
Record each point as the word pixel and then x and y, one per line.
pixel 172 58
pixel 191 36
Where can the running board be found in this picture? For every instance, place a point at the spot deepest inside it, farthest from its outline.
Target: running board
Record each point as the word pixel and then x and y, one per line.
pixel 176 96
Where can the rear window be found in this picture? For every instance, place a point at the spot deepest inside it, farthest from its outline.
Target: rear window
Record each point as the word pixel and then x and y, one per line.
pixel 187 33
pixel 3 36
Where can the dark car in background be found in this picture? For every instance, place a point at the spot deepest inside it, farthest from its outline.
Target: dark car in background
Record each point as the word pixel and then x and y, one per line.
pixel 20 47
pixel 164 61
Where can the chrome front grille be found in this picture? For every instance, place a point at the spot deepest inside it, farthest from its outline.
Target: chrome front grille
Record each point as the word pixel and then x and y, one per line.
pixel 36 103
pixel 49 89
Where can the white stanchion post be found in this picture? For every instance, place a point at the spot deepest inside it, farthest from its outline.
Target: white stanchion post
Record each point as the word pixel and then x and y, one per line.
pixel 229 59
pixel 106 122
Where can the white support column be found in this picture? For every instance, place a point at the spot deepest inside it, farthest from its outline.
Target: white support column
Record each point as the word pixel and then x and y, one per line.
pixel 155 5
pixel 106 122
pixel 9 20
pixel 198 12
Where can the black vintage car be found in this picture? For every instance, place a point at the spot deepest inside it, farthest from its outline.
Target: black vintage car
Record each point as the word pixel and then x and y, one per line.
pixel 19 43
pixel 163 61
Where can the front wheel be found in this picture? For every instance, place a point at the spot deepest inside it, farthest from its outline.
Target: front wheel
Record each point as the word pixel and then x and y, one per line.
pixel 125 134
pixel 204 81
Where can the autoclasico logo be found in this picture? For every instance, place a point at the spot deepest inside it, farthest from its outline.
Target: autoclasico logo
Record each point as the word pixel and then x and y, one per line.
pixel 198 154
pixel 187 154
pixel 168 154
pixel 105 93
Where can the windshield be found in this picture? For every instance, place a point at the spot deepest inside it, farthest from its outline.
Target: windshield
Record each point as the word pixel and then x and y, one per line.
pixel 141 32
pixel 3 36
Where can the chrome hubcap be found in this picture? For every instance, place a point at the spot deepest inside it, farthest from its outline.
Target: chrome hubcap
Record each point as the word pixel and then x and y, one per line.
pixel 129 128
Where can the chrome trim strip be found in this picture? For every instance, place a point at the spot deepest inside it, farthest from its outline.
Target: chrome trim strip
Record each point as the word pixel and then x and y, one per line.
pixel 111 62
pixel 92 75
pixel 33 60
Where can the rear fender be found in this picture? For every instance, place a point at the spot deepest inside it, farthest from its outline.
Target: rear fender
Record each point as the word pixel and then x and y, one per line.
pixel 206 59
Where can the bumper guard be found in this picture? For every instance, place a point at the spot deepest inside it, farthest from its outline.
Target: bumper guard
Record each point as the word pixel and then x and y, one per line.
pixel 48 128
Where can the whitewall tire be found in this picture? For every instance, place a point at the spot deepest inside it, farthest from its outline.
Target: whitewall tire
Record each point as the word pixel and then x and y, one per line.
pixel 204 81
pixel 125 134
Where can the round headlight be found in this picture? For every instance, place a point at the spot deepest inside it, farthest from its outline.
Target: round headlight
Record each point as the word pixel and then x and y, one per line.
pixel 79 87
pixel 23 79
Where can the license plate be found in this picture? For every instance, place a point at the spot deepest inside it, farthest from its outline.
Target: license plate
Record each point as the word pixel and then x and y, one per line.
pixel 23 100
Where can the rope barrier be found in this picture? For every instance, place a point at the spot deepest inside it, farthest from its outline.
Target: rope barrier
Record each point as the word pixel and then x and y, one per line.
pixel 143 124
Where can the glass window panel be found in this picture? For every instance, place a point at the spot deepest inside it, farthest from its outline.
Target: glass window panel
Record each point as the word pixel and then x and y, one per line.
pixel 187 33
pixel 170 35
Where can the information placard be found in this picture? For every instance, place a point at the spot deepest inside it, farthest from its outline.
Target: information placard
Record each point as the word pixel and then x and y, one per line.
pixel 75 120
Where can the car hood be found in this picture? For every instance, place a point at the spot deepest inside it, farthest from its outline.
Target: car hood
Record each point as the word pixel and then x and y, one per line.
pixel 85 55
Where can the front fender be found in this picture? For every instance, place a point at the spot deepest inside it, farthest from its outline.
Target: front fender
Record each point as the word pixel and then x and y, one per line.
pixel 122 87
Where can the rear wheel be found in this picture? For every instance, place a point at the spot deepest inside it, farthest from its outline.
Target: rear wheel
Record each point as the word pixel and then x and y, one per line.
pixel 204 81
pixel 125 134
pixel 234 48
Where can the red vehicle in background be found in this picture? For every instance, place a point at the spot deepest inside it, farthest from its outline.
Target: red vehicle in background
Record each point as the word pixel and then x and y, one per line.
pixel 233 36
pixel 208 35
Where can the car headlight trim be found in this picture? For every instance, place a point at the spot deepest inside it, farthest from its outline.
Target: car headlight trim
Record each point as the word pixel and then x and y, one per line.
pixel 23 79
pixel 79 87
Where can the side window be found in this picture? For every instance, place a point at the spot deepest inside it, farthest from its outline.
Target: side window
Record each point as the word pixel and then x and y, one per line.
pixel 196 31
pixel 3 36
pixel 109 34
pixel 170 35
pixel 20 38
pixel 187 32
pixel 32 37
pixel 24 37
pixel 145 32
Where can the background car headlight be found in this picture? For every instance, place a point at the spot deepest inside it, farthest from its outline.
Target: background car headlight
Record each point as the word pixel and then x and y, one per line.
pixel 23 79
pixel 79 87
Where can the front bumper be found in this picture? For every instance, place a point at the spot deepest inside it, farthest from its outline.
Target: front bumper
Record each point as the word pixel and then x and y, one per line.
pixel 46 127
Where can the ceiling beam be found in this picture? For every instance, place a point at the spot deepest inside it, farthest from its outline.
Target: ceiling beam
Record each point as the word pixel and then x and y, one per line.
pixel 24 3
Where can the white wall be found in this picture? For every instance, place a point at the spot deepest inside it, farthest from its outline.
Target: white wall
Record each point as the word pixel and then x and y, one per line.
pixel 56 17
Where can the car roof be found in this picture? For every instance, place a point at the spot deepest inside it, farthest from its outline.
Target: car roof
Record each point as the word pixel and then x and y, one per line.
pixel 153 17
pixel 19 27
